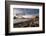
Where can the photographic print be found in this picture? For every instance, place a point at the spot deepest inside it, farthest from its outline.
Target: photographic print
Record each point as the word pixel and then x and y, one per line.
pixel 24 17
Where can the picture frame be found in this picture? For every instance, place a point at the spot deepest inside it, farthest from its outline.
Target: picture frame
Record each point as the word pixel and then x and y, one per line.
pixel 11 6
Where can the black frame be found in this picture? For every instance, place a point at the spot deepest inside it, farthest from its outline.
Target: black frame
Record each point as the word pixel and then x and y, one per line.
pixel 7 13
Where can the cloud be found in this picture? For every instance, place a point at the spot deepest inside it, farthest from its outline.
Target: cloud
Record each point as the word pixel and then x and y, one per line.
pixel 26 11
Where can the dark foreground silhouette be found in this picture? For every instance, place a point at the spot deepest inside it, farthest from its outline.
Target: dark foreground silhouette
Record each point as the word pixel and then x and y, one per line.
pixel 34 22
